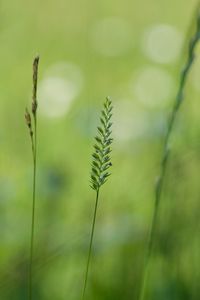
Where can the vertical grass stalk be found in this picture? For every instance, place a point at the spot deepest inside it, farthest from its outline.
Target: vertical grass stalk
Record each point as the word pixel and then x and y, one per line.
pixel 101 162
pixel 159 185
pixel 33 135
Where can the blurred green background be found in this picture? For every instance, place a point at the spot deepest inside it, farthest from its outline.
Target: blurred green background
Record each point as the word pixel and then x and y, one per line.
pixel 133 52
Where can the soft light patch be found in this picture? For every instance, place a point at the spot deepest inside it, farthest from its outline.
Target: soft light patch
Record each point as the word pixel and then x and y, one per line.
pixel 61 85
pixel 129 121
pixel 133 123
pixel 162 43
pixel 196 74
pixel 152 86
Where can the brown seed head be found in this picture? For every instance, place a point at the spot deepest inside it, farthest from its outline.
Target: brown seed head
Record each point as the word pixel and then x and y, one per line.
pixel 28 121
pixel 35 78
pixel 28 118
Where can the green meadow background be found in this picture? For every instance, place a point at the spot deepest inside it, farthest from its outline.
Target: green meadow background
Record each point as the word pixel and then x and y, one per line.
pixel 132 51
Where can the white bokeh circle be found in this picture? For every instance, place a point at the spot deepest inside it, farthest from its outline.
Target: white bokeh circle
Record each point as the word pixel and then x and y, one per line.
pixel 162 43
pixel 60 86
pixel 153 86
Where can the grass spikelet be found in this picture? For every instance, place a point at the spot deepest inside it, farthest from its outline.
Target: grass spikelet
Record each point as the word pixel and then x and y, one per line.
pixel 159 185
pixel 33 135
pixel 101 162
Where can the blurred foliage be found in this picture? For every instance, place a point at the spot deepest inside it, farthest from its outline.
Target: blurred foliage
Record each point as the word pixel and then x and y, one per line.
pixel 68 32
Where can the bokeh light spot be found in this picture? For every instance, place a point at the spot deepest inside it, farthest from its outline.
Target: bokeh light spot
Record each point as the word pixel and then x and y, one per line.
pixel 196 74
pixel 131 123
pixel 162 43
pixel 153 86
pixel 61 85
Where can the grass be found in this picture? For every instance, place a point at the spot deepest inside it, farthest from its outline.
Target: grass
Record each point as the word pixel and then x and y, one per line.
pixel 109 73
pixel 166 150
pixel 33 135
pixel 101 162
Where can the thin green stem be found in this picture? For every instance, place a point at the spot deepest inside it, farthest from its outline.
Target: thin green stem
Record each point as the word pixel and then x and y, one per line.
pixel 34 149
pixel 159 186
pixel 90 246
pixel 33 136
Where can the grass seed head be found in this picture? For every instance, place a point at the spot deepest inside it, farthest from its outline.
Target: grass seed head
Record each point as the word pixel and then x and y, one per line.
pixel 35 79
pixel 28 121
pixel 101 160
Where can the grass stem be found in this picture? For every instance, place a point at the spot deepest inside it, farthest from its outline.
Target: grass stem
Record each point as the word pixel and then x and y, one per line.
pixel 33 210
pixel 33 135
pixel 159 185
pixel 90 245
pixel 101 163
